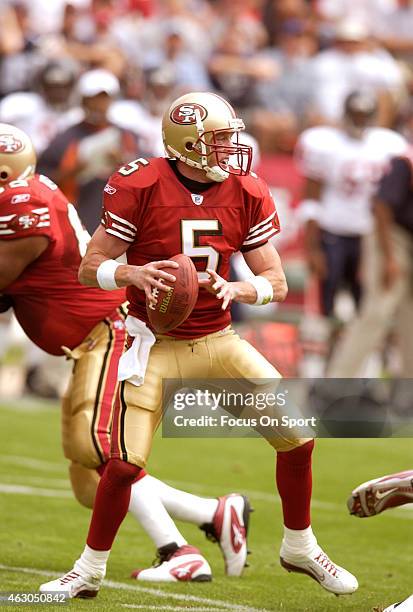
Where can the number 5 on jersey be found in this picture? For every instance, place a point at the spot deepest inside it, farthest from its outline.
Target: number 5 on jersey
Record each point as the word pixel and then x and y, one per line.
pixel 191 232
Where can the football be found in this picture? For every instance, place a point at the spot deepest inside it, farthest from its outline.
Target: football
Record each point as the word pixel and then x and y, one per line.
pixel 175 306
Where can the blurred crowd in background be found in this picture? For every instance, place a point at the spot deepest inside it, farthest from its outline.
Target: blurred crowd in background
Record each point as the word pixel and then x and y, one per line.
pixel 88 80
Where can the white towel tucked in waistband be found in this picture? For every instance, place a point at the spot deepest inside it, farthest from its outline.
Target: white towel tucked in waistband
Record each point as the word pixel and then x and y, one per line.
pixel 133 363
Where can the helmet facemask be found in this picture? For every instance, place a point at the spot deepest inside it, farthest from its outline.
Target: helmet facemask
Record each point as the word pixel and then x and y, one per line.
pixel 237 160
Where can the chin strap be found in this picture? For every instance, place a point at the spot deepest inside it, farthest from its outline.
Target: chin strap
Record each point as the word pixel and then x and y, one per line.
pixel 216 174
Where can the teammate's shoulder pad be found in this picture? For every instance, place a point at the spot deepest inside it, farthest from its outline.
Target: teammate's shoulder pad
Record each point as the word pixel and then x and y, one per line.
pixel 19 192
pixel 137 174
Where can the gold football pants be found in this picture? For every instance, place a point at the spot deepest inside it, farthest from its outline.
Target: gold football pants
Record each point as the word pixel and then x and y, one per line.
pixel 88 403
pixel 221 355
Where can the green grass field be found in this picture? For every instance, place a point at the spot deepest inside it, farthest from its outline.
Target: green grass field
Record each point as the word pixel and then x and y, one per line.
pixel 43 528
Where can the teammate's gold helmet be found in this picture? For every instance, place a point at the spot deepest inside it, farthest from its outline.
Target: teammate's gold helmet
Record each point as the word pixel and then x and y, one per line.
pixel 190 127
pixel 17 155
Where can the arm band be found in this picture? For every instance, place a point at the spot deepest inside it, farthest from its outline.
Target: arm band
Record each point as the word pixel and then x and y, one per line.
pixel 263 288
pixel 105 274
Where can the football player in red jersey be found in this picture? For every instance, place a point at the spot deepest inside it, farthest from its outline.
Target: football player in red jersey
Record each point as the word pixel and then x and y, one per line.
pixel 194 203
pixel 41 244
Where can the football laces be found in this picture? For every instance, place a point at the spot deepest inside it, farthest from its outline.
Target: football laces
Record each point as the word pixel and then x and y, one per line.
pixel 155 293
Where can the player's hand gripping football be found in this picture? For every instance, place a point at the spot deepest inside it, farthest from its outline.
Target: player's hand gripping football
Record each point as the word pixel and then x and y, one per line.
pixel 152 276
pixel 222 289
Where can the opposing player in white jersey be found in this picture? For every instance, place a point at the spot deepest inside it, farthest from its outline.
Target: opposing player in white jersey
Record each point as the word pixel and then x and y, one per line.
pixel 342 166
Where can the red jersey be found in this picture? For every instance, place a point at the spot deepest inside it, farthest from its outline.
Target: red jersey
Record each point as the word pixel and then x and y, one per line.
pixel 146 205
pixel 50 304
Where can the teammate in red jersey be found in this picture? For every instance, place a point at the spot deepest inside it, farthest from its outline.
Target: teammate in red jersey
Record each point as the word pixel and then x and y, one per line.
pixel 199 205
pixel 41 244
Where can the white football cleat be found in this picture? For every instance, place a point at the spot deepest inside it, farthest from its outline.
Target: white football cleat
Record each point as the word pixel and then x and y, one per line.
pixel 184 564
pixel 229 528
pixel 403 606
pixel 74 584
pixel 318 566
pixel 380 494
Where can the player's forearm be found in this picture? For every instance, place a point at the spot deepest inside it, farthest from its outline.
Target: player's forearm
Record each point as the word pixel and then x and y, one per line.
pixel 247 294
pixel 22 252
pixel 278 282
pixel 89 267
pixel 265 262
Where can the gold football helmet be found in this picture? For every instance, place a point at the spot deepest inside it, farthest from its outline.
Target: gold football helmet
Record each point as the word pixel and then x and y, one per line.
pixel 17 155
pixel 191 127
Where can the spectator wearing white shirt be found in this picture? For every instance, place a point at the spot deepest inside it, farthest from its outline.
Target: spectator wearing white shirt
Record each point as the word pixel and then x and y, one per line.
pixel 352 63
pixel 366 11
pixel 47 111
pixel 394 29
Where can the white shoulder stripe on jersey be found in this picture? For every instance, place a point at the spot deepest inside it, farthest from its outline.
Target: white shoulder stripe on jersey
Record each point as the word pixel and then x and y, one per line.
pixel 118 235
pixel 40 211
pixel 43 224
pixel 260 237
pixel 260 230
pixel 252 229
pixel 124 229
pixel 7 217
pixel 6 231
pixel 122 220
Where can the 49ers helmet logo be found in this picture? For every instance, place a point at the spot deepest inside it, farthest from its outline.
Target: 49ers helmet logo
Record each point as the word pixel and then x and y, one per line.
pixel 10 144
pixel 184 114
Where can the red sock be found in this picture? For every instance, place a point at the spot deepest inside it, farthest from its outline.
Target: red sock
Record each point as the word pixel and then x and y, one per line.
pixel 111 503
pixel 294 482
pixel 101 470
pixel 141 474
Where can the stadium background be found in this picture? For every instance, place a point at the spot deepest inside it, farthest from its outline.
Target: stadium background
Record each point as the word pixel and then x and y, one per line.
pixel 265 57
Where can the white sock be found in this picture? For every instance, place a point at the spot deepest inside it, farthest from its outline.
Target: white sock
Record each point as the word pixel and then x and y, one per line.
pixel 298 542
pixel 92 561
pixel 146 506
pixel 181 505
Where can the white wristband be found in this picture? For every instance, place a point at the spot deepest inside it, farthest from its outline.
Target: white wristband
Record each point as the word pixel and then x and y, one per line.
pixel 263 288
pixel 105 274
